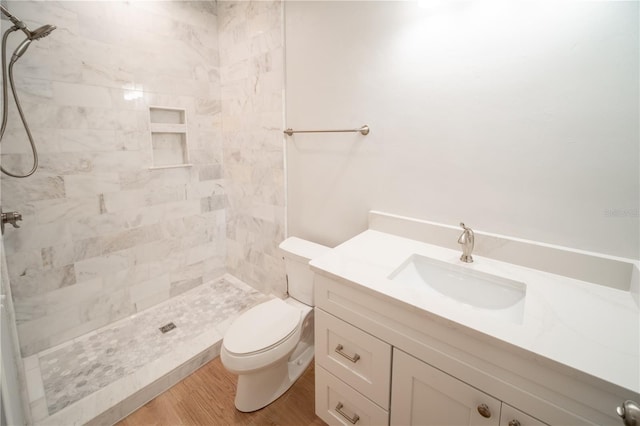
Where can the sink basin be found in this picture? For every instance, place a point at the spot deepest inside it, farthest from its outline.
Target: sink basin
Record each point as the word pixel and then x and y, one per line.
pixel 490 294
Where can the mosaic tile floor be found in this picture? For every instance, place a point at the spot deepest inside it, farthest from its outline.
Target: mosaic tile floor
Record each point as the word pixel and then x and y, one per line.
pixel 91 362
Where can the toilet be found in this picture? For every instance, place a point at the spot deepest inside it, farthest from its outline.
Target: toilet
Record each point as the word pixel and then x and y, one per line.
pixel 270 345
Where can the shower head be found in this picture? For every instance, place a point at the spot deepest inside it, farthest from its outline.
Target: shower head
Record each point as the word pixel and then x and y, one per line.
pixel 37 34
pixel 41 32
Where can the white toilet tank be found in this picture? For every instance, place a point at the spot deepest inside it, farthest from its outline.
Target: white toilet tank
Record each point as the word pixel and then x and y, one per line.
pixel 297 254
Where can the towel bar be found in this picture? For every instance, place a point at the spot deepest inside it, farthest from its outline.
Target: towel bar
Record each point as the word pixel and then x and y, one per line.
pixel 363 130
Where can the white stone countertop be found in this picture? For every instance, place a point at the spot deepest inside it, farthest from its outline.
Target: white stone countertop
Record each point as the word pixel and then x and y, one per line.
pixel 589 327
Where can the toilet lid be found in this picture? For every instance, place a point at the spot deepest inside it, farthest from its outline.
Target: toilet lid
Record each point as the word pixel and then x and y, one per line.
pixel 262 326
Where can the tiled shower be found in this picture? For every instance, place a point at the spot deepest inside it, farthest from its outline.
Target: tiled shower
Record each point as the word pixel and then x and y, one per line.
pixel 106 232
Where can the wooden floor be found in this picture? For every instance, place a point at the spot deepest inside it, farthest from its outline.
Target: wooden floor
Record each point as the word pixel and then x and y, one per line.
pixel 206 398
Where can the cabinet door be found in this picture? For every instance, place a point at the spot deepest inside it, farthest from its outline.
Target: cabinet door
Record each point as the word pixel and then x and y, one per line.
pixel 424 395
pixel 510 416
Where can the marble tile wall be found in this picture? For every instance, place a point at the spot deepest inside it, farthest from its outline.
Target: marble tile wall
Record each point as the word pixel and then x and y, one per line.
pixel 252 81
pixel 103 236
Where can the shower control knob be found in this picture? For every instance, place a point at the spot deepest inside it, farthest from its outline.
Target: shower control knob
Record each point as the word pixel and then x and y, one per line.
pixel 11 217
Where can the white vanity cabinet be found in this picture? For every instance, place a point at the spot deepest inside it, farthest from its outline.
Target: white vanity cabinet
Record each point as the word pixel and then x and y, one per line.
pixel 379 361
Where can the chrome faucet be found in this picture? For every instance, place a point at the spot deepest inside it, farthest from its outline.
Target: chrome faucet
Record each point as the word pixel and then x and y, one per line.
pixel 466 239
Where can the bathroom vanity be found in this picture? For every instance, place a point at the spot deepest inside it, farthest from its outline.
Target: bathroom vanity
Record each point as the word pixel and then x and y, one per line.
pixel 500 344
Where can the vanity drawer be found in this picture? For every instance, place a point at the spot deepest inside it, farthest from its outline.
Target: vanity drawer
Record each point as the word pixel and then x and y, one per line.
pixel 357 358
pixel 339 404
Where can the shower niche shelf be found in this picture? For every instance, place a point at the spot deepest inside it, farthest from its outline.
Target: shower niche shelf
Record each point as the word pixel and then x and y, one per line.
pixel 168 137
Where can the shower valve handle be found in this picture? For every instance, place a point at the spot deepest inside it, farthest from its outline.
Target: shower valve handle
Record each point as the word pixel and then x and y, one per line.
pixel 11 217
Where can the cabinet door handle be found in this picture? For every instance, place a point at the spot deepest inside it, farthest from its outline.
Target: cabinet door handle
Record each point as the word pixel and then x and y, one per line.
pixel 629 411
pixel 353 358
pixel 353 420
pixel 484 411
pixel 514 422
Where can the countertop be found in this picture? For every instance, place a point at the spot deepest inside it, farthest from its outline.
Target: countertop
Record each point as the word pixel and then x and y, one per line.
pixel 589 327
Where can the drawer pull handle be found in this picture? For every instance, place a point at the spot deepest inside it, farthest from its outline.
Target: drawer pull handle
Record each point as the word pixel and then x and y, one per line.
pixel 484 411
pixel 353 358
pixel 514 422
pixel 353 420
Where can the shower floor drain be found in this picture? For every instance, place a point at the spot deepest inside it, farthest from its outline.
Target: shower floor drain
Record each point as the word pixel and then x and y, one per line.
pixel 167 327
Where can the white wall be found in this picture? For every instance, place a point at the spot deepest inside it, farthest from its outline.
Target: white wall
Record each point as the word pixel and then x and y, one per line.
pixel 516 118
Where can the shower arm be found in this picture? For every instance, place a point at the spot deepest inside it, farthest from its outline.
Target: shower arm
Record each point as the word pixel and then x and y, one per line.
pixel 15 21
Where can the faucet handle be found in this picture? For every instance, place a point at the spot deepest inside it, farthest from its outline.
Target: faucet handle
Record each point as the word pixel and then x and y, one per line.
pixel 467 231
pixel 17 217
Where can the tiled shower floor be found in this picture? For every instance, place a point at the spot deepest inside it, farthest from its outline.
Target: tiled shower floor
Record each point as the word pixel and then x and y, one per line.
pixel 75 382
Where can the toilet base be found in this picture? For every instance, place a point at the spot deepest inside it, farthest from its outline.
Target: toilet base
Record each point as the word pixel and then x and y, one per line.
pixel 259 389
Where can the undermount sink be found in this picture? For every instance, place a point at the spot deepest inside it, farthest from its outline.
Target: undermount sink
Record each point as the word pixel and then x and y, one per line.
pixel 490 294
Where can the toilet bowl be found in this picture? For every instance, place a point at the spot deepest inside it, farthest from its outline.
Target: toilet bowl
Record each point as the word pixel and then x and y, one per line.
pixel 270 345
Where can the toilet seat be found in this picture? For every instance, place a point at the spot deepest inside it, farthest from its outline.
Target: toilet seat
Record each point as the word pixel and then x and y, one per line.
pixel 261 328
